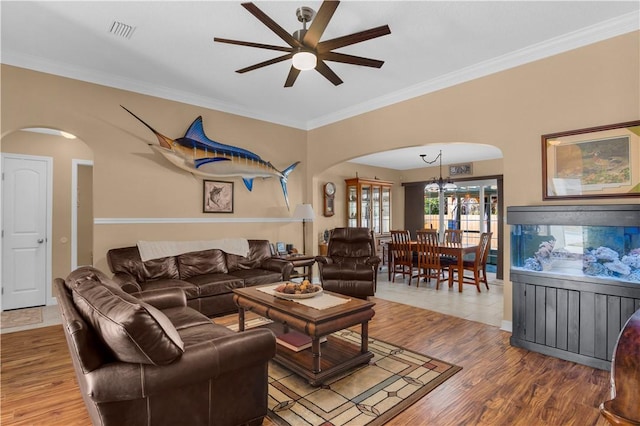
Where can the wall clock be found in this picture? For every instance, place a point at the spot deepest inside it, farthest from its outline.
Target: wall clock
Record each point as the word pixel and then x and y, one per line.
pixel 329 195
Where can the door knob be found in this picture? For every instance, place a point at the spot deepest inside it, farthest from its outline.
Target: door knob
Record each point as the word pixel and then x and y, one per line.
pixel 40 241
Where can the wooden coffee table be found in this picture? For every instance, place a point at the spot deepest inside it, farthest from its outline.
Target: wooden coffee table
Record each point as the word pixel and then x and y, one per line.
pixel 318 362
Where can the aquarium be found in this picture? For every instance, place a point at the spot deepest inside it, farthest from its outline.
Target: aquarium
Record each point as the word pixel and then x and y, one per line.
pixel 603 248
pixel 597 251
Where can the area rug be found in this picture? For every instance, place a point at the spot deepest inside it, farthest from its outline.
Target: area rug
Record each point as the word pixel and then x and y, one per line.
pixel 368 395
pixel 20 317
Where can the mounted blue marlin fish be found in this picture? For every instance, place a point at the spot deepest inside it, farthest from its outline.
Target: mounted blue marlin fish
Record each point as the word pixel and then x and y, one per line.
pixel 196 153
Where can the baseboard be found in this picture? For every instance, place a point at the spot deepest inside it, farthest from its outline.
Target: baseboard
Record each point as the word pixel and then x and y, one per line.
pixel 507 326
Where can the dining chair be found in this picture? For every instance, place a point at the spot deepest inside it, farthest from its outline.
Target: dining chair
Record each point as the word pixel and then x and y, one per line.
pixel 453 237
pixel 428 262
pixel 477 266
pixel 401 254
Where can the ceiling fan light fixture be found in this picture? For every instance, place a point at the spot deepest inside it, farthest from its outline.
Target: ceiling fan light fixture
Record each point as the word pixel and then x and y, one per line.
pixel 304 60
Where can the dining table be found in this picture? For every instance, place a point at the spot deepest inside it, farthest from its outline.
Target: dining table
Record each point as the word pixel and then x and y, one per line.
pixel 457 251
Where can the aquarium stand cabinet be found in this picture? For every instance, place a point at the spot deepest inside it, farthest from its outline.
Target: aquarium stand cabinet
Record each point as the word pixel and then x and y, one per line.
pixel 575 272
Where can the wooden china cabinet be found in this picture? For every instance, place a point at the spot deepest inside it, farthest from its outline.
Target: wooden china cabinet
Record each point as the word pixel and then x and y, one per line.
pixel 369 205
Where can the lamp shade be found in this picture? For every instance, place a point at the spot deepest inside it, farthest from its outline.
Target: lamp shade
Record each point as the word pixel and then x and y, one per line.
pixel 432 187
pixel 304 212
pixel 304 60
pixel 450 186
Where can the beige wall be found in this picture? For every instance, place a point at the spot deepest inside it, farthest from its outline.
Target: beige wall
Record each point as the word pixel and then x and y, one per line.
pixel 590 86
pixel 85 215
pixel 134 188
pixel 586 87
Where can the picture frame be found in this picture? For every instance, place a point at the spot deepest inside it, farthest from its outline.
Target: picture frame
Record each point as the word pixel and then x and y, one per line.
pixel 460 169
pixel 596 162
pixel 281 248
pixel 217 197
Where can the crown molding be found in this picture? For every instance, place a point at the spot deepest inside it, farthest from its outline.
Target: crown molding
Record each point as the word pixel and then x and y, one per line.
pixel 599 32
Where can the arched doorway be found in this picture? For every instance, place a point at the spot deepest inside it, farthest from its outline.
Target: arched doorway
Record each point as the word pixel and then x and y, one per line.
pixel 53 255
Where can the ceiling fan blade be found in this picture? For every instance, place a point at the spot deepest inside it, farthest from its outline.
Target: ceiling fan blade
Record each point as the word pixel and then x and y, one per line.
pixel 350 59
pixel 265 63
pixel 273 26
pixel 251 44
pixel 291 78
pixel 325 46
pixel 328 73
pixel 319 23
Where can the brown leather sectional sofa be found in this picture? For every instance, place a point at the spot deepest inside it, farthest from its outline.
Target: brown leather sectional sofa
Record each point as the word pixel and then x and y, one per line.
pixel 207 277
pixel 149 359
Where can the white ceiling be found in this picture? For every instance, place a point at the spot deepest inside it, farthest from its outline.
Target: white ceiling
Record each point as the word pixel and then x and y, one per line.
pixel 171 53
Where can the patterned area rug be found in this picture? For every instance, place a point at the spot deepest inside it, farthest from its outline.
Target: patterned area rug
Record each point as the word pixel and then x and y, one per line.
pixel 367 395
pixel 20 317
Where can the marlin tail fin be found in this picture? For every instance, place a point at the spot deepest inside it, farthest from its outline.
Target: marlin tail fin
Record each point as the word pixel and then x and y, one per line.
pixel 283 181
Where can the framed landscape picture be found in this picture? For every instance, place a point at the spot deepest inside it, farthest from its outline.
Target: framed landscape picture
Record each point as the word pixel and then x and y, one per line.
pixel 217 197
pixel 592 163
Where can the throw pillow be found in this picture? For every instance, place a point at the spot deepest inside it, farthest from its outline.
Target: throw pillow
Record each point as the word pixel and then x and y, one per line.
pixel 134 331
pixel 202 262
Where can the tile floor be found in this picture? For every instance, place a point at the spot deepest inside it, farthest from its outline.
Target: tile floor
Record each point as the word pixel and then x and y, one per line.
pixel 485 307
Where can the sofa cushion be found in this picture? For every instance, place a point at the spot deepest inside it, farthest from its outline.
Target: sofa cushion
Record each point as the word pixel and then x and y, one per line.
pixel 134 331
pixel 127 259
pixel 194 327
pixel 259 250
pixel 214 284
pixel 190 291
pixel 253 277
pixel 202 262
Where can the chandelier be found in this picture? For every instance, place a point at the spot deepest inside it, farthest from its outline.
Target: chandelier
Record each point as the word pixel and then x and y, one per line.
pixel 438 185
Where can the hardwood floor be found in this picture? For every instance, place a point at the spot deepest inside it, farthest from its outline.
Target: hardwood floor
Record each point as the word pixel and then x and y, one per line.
pixel 498 385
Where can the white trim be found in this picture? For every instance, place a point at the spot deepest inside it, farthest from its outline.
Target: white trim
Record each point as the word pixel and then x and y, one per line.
pixel 154 220
pixel 507 326
pixel 601 31
pixel 50 299
pixel 74 208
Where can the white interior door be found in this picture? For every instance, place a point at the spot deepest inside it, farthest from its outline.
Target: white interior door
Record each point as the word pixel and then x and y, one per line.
pixel 25 199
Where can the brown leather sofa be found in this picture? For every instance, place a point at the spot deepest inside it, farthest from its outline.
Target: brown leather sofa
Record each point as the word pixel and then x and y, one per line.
pixel 351 265
pixel 154 361
pixel 207 277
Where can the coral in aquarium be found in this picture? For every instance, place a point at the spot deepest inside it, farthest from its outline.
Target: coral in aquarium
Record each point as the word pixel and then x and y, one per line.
pixel 542 258
pixel 606 262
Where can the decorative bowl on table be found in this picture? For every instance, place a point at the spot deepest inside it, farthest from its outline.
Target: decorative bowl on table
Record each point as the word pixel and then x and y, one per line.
pixel 290 290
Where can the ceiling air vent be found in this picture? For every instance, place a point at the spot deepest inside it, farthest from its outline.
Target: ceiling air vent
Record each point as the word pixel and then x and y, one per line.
pixel 121 29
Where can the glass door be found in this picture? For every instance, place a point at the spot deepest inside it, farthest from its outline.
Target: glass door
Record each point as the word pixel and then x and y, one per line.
pixel 472 207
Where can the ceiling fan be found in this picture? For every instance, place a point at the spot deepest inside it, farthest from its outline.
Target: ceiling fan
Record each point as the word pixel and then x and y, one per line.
pixel 305 48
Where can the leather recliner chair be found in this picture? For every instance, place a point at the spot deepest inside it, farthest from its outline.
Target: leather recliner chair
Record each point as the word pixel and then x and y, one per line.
pixel 351 264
